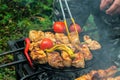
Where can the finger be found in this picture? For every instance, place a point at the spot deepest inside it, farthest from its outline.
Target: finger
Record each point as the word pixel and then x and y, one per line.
pixel 117 11
pixel 102 4
pixel 113 7
pixel 105 3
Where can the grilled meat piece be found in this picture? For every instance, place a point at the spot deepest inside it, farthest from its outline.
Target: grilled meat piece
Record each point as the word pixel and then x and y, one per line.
pixel 87 39
pixel 39 56
pixel 72 47
pixel 36 35
pixel 67 61
pixel 100 74
pixel 84 77
pixel 78 62
pixel 86 52
pixel 34 45
pixel 50 35
pixel 111 78
pixel 111 71
pixel 103 74
pixel 75 39
pixel 92 44
pixel 55 60
pixel 61 38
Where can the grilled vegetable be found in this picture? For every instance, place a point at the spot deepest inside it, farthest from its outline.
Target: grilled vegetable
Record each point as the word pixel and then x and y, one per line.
pixel 59 27
pixel 27 41
pixel 46 44
pixel 61 47
pixel 72 28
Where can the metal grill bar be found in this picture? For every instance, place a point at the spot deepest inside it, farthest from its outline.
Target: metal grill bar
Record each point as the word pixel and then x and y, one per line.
pixel 12 63
pixel 13 51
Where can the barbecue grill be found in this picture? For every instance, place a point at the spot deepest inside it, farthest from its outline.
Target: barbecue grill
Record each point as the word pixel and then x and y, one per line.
pixel 40 72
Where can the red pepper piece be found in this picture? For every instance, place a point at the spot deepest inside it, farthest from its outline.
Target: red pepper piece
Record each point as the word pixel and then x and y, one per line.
pixel 27 41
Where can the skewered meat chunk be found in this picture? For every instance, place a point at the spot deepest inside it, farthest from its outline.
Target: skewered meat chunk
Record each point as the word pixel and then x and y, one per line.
pixel 55 60
pixel 34 45
pixel 50 35
pixel 86 52
pixel 87 39
pixel 39 56
pixel 61 38
pixel 36 35
pixel 115 78
pixel 75 39
pixel 100 74
pixel 84 77
pixel 78 62
pixel 92 44
pixel 67 61
pixel 72 47
pixel 111 71
pixel 106 73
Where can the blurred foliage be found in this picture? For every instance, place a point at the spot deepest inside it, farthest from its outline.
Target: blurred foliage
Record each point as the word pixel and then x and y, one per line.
pixel 17 17
pixel 91 27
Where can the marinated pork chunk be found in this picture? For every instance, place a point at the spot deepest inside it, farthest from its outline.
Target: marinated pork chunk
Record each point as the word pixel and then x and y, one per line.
pixel 100 74
pixel 75 39
pixel 92 44
pixel 34 45
pixel 55 60
pixel 39 56
pixel 36 35
pixel 61 38
pixel 86 52
pixel 78 62
pixel 111 78
pixel 111 71
pixel 72 47
pixel 50 35
pixel 67 61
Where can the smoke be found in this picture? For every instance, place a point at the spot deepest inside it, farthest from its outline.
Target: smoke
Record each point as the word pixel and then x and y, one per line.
pixel 108 29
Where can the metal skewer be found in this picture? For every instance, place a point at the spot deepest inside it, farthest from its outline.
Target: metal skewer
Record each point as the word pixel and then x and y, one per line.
pixel 65 20
pixel 72 19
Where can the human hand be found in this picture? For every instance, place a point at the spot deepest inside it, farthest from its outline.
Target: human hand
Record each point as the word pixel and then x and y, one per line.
pixel 114 6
